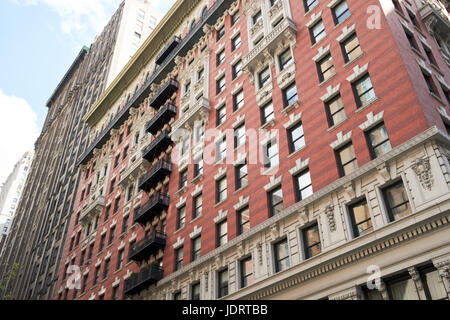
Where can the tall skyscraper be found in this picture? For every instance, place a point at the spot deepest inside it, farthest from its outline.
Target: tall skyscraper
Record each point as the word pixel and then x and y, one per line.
pixel 41 225
pixel 10 193
pixel 269 150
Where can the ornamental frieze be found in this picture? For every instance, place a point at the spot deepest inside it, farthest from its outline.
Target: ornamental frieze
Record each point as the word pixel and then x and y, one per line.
pixel 422 169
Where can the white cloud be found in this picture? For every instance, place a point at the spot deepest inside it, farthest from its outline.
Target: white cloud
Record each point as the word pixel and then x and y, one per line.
pixel 82 17
pixel 18 131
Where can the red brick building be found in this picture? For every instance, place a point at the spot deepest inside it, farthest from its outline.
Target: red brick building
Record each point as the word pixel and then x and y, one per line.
pixel 343 97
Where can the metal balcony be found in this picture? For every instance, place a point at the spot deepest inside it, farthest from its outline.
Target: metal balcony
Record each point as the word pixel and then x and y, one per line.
pixel 162 117
pixel 198 111
pixel 158 145
pixel 146 277
pixel 164 93
pixel 147 246
pixel 165 52
pixel 285 31
pixel 93 208
pixel 153 207
pixel 158 172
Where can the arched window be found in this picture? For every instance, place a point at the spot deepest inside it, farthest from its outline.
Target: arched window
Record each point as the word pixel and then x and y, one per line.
pixel 204 12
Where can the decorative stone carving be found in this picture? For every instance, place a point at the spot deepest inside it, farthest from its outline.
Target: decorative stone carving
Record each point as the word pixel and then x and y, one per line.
pixel 329 212
pixel 422 169
pixel 260 258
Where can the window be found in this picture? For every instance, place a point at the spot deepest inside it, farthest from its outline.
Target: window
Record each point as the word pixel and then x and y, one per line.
pixel 220 57
pixel 199 133
pixel 116 204
pixel 221 186
pixel 257 17
pixel 246 268
pixel 296 138
pixel 125 153
pixel 429 82
pixel 181 217
pixel 116 161
pixel 115 294
pixel 178 258
pixel 85 279
pixel 200 73
pixel 183 179
pixel 236 42
pixel 236 69
pixel 184 145
pixel 197 207
pixel 275 201
pixel 222 233
pixel 243 219
pixel 220 33
pixel 290 95
pixel 96 275
pixel 195 291
pixel 198 167
pixel 177 295
pixel 111 187
pixel 220 85
pixel 83 253
pixel 360 218
pixel 239 136
pixel 281 253
pixel 120 259
pixel 221 115
pixel 396 200
pixel 196 248
pixel 411 39
pixel 111 235
pixel 125 224
pixel 235 18
pixel 221 149
pixel 351 48
pixel 434 287
pixel 102 242
pixel 397 5
pixel 91 251
pixel 241 176
pixel 267 113
pixel 335 111
pixel 341 12
pixel 263 77
pixel 222 285
pixel 130 192
pixel 187 87
pixel 285 58
pixel 317 32
pixel 309 4
pixel 325 68
pixel 311 241
pixel 413 18
pixel 303 185
pixel 346 159
pixel 378 141
pixel 238 100
pixel 364 92
pixel 271 155
pixel 430 55
pixel 106 269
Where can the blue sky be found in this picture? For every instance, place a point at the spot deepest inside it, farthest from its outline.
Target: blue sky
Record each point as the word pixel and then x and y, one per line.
pixel 39 41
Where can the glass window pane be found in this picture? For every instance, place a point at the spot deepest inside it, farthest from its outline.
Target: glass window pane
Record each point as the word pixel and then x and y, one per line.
pixel 404 290
pixel 435 285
